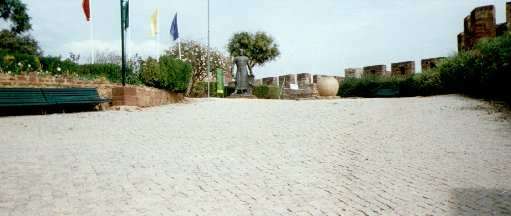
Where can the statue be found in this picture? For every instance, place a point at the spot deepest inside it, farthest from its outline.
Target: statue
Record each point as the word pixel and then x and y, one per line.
pixel 243 76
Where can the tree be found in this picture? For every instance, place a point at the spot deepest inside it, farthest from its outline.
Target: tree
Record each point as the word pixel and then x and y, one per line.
pixel 15 11
pixel 196 54
pixel 13 43
pixel 260 48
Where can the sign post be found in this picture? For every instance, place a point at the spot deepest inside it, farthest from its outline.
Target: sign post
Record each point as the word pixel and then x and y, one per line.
pixel 220 82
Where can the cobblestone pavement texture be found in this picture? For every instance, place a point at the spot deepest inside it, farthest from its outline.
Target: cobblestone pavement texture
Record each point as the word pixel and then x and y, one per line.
pixel 445 155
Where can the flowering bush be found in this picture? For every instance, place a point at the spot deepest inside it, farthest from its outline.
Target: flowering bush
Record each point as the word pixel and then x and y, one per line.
pixel 195 54
pixel 167 73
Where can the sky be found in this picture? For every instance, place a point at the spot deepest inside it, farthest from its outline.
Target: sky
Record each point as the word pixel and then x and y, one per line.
pixel 318 37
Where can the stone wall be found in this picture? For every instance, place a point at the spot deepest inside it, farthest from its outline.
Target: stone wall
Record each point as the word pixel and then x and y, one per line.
pixel 461 41
pixel 270 81
pixel 403 68
pixel 143 96
pixel 304 80
pixel 353 72
pixel 287 79
pixel 508 15
pixel 430 63
pixel 375 70
pixel 481 23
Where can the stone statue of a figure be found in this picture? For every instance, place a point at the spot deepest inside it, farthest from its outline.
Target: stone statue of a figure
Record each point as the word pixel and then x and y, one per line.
pixel 242 75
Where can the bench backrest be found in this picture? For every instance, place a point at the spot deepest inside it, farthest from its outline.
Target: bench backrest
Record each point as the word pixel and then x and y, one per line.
pixel 57 96
pixel 13 97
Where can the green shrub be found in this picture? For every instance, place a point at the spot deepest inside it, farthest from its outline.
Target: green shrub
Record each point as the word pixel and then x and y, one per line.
pixel 53 64
pixel 18 62
pixel 169 73
pixel 111 72
pixel 267 92
pixel 368 86
pixel 484 72
pixel 200 89
pixel 261 91
pixel 481 72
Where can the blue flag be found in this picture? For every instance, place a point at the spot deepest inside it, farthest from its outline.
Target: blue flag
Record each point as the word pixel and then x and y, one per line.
pixel 174 31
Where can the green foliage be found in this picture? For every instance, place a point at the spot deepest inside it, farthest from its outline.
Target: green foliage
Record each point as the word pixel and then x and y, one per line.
pixel 484 72
pixel 169 73
pixel 481 72
pixel 195 53
pixel 111 72
pixel 13 43
pixel 422 84
pixel 200 89
pixel 260 48
pixel 15 11
pixel 55 65
pixel 368 86
pixel 18 62
pixel 267 92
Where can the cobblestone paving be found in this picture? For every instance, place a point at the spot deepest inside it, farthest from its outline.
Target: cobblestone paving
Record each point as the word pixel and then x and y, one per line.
pixel 443 155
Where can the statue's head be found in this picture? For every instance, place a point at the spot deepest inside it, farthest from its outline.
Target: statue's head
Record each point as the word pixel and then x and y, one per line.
pixel 242 52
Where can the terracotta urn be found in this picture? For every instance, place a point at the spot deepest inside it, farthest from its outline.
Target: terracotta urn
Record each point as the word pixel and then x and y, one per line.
pixel 328 86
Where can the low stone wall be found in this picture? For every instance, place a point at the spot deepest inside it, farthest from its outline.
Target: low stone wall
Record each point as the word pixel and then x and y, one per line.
pixel 141 96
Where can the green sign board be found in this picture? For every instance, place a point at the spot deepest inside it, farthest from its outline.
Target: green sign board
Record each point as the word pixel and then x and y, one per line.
pixel 219 81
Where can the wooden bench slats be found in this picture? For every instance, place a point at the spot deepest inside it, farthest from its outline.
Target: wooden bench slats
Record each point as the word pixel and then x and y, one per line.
pixel 13 97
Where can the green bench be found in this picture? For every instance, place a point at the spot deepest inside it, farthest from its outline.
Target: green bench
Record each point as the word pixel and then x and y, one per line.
pixel 49 97
pixel 73 96
pixel 22 97
pixel 387 92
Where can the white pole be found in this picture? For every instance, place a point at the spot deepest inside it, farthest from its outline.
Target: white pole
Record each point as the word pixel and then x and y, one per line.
pixel 209 59
pixel 91 29
pixel 179 47
pixel 157 45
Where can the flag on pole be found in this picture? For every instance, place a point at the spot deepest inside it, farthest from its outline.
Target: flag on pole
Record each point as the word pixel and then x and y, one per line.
pixel 174 30
pixel 154 22
pixel 86 9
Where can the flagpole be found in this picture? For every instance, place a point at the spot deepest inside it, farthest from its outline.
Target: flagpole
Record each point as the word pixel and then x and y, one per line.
pixel 91 29
pixel 209 47
pixel 123 44
pixel 179 47
pixel 158 35
pixel 128 47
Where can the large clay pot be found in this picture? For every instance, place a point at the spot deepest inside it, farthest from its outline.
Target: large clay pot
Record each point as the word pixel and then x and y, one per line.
pixel 328 86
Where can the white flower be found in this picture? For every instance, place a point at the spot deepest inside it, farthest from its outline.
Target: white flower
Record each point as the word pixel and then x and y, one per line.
pixel 59 69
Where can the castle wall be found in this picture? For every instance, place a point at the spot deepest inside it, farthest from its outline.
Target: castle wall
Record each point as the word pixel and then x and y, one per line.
pixel 403 68
pixel 353 72
pixel 508 15
pixel 270 81
pixel 375 70
pixel 430 63
pixel 483 23
pixel 304 80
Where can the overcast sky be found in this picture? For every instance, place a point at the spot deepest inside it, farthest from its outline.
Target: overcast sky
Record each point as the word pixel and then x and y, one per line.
pixel 320 36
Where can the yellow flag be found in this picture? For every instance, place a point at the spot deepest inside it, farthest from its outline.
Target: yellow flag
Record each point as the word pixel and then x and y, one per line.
pixel 154 22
